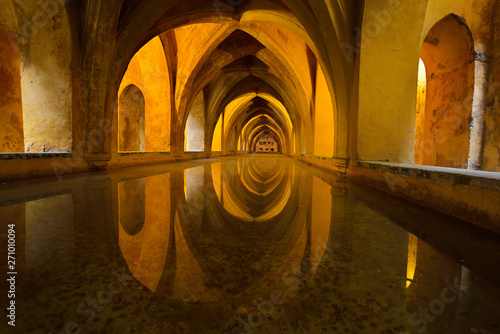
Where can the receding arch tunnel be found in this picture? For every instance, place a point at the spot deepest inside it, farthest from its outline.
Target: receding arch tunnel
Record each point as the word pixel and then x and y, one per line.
pixel 235 81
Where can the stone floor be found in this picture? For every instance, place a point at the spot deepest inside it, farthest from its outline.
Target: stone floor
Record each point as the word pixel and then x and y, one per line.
pixel 253 244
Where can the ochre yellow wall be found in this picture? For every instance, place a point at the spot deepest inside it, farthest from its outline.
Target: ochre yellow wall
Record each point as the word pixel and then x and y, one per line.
pixel 217 138
pixel 11 108
pixel 323 118
pixel 321 219
pixel 390 48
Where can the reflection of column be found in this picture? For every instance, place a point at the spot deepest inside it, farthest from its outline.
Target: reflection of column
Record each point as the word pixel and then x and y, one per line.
pixel 412 259
pixel 194 194
pixel 307 266
pixel 432 299
pixel 97 213
pixel 465 290
pixel 49 228
pixel 321 220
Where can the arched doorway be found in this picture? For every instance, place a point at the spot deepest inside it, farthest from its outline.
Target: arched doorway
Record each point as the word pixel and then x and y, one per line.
pixel 448 55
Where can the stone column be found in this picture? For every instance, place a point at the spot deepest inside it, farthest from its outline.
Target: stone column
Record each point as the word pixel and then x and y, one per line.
pixel 478 108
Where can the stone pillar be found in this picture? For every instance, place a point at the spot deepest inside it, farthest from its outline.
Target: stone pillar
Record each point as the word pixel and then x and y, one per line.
pixel 478 108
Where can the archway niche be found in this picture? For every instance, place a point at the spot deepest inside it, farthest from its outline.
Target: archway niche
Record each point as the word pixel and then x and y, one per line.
pixel 324 128
pixel 132 125
pixel 448 55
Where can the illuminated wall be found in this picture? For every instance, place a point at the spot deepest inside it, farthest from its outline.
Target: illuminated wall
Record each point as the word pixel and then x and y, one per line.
pixel 403 33
pixel 217 137
pixel 148 71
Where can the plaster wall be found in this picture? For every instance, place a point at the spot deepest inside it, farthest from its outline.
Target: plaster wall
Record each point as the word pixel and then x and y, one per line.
pixel 11 108
pixel 46 77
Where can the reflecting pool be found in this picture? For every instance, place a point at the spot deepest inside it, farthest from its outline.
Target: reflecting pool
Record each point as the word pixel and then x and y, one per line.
pixel 248 244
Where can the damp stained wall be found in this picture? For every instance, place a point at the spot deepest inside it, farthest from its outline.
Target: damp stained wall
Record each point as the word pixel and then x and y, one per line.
pixel 448 55
pixel 46 77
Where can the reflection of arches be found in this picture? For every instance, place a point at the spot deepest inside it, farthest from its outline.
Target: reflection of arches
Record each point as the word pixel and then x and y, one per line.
pixel 11 109
pixel 448 55
pixel 132 125
pixel 145 240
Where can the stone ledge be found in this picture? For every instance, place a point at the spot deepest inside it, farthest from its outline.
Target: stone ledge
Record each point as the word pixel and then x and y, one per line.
pixel 455 176
pixel 142 153
pixel 29 156
pixel 471 196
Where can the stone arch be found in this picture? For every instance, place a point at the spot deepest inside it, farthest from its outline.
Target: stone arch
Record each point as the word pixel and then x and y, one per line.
pixel 45 44
pixel 295 17
pixel 132 125
pixel 42 36
pixel 448 55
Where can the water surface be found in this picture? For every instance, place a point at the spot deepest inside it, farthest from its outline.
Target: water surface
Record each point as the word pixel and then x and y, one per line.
pixel 257 243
